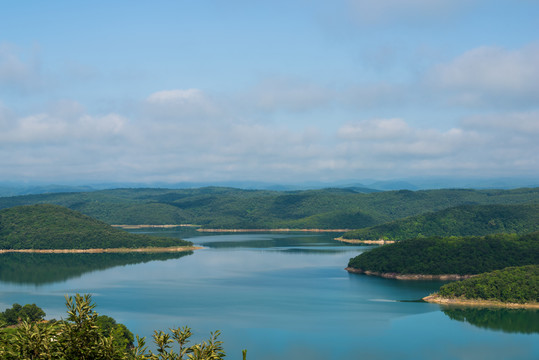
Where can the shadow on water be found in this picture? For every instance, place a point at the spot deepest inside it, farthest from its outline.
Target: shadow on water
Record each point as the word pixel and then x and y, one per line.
pixel 524 321
pixel 39 269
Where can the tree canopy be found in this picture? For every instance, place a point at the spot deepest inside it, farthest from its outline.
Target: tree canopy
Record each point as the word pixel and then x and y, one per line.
pixel 86 335
pixel 464 220
pixel 451 255
pixel 509 285
pixel 46 226
pixel 219 207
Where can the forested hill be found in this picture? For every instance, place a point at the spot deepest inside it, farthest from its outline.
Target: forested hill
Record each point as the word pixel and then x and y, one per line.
pixel 510 285
pixel 54 227
pixel 216 207
pixel 453 255
pixel 461 220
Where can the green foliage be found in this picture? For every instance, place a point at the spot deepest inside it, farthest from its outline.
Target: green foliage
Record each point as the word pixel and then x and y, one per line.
pixel 510 285
pixel 55 227
pixel 215 207
pixel 462 220
pixel 452 255
pixel 85 335
pixel 122 337
pixel 18 313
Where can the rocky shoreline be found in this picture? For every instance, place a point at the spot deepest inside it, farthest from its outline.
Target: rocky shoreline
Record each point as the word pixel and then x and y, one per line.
pixel 368 242
pixel 408 276
pixel 435 298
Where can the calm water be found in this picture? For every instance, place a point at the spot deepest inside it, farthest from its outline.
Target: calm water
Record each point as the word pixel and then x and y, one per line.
pixel 281 296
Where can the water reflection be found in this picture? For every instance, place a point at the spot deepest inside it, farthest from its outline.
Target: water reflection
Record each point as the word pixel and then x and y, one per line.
pixel 39 269
pixel 272 241
pixel 524 321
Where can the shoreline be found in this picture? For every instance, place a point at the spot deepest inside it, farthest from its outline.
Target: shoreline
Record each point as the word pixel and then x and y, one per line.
pixel 153 226
pixel 436 299
pixel 357 241
pixel 273 230
pixel 171 226
pixel 100 251
pixel 408 276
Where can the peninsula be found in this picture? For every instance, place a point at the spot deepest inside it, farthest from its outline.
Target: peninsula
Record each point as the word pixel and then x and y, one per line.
pixel 53 228
pixel 450 258
pixel 513 287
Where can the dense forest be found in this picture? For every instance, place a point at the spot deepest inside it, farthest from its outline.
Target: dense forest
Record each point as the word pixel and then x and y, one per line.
pixel 509 285
pixel 216 207
pixel 451 255
pixel 55 227
pixel 461 220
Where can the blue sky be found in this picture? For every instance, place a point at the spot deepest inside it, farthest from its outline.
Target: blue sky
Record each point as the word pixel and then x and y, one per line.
pixel 280 91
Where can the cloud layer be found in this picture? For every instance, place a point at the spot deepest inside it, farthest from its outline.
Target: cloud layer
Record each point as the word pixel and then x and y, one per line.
pixel 285 92
pixel 182 135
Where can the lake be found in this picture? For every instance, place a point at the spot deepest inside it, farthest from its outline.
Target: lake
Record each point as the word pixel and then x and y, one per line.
pixel 278 295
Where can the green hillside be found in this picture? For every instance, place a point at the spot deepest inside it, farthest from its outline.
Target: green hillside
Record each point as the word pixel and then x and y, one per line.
pixel 54 227
pixel 462 220
pixel 510 285
pixel 216 207
pixel 453 255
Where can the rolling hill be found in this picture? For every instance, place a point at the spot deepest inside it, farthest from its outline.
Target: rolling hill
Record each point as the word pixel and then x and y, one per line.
pixel 453 255
pixel 216 207
pixel 464 220
pixel 45 226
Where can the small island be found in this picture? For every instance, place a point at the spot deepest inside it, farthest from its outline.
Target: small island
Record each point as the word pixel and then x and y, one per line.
pixel 55 229
pixel 513 287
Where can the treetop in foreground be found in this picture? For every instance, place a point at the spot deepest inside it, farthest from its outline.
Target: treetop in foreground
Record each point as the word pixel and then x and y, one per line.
pixel 87 336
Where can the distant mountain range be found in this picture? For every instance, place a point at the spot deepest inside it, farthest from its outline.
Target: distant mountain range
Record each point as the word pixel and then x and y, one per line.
pixel 362 185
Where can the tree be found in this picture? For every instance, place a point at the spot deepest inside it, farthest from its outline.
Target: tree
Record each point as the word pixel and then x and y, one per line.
pixel 85 335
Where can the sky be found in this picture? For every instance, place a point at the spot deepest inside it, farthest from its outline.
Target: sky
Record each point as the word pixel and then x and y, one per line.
pixel 273 91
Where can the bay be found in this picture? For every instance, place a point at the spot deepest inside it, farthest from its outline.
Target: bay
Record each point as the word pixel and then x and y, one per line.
pixel 278 295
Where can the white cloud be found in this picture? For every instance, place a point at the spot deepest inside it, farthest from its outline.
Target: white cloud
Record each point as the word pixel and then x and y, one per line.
pixel 526 123
pixel 395 139
pixel 176 96
pixel 490 75
pixel 19 73
pixel 181 105
pixel 69 142
pixel 286 94
pixel 65 124
pixel 374 129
